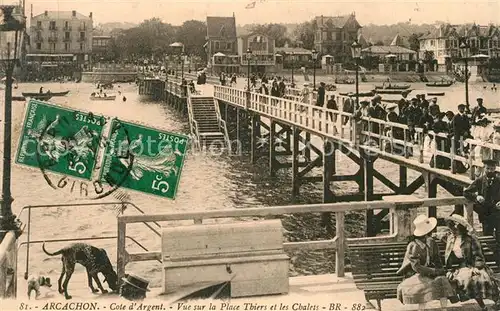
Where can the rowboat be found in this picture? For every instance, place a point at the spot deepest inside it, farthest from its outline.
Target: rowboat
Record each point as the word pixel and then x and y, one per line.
pixel 393 92
pixel 359 94
pixel 439 84
pixel 25 94
pixel 393 87
pixel 113 97
pixel 436 94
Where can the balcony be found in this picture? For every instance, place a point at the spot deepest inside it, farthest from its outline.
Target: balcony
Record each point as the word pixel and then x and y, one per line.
pixel 53 28
pixel 82 28
pixel 67 39
pixel 38 28
pixel 38 39
pixel 80 39
pixel 52 39
pixel 67 28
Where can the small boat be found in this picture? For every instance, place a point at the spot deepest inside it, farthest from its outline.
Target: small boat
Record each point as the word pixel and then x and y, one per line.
pixel 361 94
pixel 41 97
pixel 94 97
pixel 440 84
pixel 436 94
pixel 392 92
pixel 393 87
pixel 26 94
pixel 18 98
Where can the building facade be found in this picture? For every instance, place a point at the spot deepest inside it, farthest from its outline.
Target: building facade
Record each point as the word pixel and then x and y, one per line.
pixel 61 35
pixel 101 46
pixel 222 45
pixel 263 52
pixel 335 34
pixel 442 44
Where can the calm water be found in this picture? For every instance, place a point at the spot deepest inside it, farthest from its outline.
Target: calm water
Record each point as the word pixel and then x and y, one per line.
pixel 208 183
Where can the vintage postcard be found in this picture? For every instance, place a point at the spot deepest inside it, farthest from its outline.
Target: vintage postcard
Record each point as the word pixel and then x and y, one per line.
pixel 250 155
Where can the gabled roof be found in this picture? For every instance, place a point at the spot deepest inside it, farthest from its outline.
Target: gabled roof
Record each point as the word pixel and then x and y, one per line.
pixel 397 41
pixel 221 27
pixel 362 41
pixel 61 15
pixel 337 21
pixel 388 50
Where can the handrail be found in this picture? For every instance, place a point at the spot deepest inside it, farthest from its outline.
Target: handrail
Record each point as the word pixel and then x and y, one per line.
pixel 26 272
pixel 30 207
pixel 222 125
pixel 193 124
pixel 337 243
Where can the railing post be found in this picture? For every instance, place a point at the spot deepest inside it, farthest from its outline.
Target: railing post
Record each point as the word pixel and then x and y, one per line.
pixel 121 251
pixel 340 252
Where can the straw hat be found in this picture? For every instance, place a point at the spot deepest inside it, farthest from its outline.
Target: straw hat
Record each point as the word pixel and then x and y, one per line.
pixel 460 220
pixel 136 282
pixel 391 106
pixel 424 225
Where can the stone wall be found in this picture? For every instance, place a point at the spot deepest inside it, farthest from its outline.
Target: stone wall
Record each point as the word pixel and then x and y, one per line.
pixel 8 266
pixel 94 77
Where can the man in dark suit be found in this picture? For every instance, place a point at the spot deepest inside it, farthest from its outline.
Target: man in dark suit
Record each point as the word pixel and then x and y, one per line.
pixel 320 102
pixel 460 126
pixel 485 192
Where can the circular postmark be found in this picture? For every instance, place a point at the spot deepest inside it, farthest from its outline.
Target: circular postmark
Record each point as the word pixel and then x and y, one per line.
pixel 69 147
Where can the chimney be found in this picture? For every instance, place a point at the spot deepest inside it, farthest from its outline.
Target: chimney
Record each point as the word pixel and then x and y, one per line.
pixel 46 13
pixel 74 13
pixel 90 15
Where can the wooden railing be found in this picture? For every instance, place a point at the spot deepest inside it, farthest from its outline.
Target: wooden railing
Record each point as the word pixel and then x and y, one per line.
pixel 400 211
pixel 222 126
pixel 316 120
pixel 193 124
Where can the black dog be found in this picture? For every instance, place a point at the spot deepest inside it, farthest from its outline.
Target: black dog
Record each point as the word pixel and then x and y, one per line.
pixel 94 259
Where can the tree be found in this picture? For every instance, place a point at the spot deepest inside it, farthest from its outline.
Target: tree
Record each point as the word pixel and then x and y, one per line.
pixel 192 34
pixel 414 41
pixel 305 33
pixel 275 31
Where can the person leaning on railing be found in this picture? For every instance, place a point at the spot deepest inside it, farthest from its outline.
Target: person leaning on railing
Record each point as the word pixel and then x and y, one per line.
pixel 485 193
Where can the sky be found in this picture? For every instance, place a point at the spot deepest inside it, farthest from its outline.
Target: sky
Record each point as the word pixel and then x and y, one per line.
pixel 276 11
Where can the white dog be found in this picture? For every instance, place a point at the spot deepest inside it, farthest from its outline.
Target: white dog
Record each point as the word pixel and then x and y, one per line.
pixel 34 284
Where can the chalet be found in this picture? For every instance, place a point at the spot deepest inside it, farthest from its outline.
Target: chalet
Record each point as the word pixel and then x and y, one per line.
pixel 222 44
pixel 335 35
pixel 263 52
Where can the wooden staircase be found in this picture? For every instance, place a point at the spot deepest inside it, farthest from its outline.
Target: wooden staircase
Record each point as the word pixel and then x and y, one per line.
pixel 210 131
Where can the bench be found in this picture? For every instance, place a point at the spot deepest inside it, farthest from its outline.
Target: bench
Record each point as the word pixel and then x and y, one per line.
pixel 248 255
pixel 374 266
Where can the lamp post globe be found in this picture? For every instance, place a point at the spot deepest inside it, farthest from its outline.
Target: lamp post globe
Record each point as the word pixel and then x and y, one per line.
pixel 11 40
pixel 314 58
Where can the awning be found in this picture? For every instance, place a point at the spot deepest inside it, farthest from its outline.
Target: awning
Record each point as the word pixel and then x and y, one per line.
pixel 219 54
pixel 480 56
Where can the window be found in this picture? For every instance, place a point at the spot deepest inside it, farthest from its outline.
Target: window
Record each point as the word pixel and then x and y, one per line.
pixel 39 35
pixel 52 25
pixel 39 24
pixel 81 46
pixel 338 36
pixel 217 45
pixel 82 35
pixel 66 35
pixel 66 25
pixel 66 46
pixel 229 46
pixel 329 35
pixel 53 46
pixel 39 46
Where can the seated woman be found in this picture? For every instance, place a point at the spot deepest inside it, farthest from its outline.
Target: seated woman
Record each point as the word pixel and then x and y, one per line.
pixel 469 274
pixel 425 278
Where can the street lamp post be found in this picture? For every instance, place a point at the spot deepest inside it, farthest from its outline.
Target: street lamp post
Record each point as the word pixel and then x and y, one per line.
pixel 356 55
pixel 11 32
pixel 249 58
pixel 293 65
pixel 314 57
pixel 182 64
pixel 464 46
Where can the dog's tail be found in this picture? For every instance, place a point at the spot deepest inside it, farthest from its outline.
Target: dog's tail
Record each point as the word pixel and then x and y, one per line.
pixel 51 254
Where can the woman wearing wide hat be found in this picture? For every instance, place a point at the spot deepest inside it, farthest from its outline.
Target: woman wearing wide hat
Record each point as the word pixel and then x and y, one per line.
pixel 473 279
pixel 133 287
pixel 425 279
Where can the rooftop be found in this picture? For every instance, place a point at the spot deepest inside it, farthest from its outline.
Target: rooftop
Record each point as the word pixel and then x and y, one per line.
pixel 337 21
pixel 61 15
pixel 221 27
pixel 388 49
